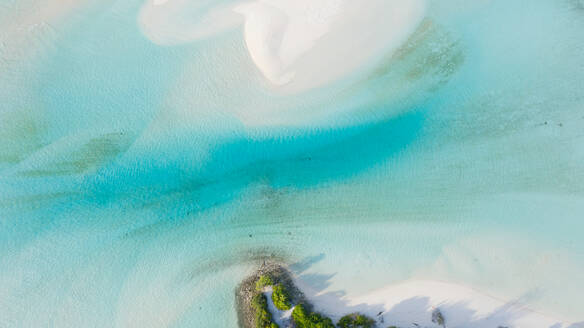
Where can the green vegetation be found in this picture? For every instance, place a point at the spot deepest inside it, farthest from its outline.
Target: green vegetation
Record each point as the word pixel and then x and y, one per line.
pixel 265 280
pixel 263 316
pixel 283 295
pixel 438 318
pixel 280 298
pixel 356 320
pixel 303 319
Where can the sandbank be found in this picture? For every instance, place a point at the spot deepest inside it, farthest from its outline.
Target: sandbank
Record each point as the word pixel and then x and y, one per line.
pixel 411 303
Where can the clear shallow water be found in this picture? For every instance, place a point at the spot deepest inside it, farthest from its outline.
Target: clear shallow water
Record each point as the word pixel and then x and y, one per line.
pixel 132 174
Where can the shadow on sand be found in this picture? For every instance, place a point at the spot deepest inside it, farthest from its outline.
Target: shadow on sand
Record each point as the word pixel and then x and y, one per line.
pixel 457 315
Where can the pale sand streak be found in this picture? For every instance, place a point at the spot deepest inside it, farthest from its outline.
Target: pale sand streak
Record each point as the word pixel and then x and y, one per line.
pixel 297 45
pixel 303 44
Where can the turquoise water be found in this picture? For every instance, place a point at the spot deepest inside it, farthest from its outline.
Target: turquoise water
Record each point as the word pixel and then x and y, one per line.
pixel 135 190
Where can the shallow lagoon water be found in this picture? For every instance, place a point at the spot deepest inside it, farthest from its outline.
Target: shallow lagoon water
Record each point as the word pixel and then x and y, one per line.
pixel 137 187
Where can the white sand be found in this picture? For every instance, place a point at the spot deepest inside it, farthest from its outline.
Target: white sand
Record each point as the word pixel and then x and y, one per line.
pixel 296 44
pixel 411 303
pixel 303 44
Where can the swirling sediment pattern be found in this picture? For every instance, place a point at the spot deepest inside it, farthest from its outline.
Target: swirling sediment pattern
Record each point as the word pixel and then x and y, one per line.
pixel 148 161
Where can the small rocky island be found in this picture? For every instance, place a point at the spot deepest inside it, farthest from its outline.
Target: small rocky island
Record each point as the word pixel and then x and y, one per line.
pixel 269 299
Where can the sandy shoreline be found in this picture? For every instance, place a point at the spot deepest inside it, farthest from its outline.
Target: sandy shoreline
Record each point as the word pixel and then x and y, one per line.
pixel 410 304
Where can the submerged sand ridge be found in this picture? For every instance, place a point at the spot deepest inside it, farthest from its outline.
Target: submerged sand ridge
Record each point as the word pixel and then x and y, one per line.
pixel 296 45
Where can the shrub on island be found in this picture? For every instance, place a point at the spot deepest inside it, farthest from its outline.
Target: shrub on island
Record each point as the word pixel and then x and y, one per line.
pixel 263 315
pixel 438 318
pixel 303 319
pixel 265 280
pixel 356 320
pixel 280 298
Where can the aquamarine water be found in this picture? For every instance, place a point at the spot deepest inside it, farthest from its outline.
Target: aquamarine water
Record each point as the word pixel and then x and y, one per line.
pixel 137 187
